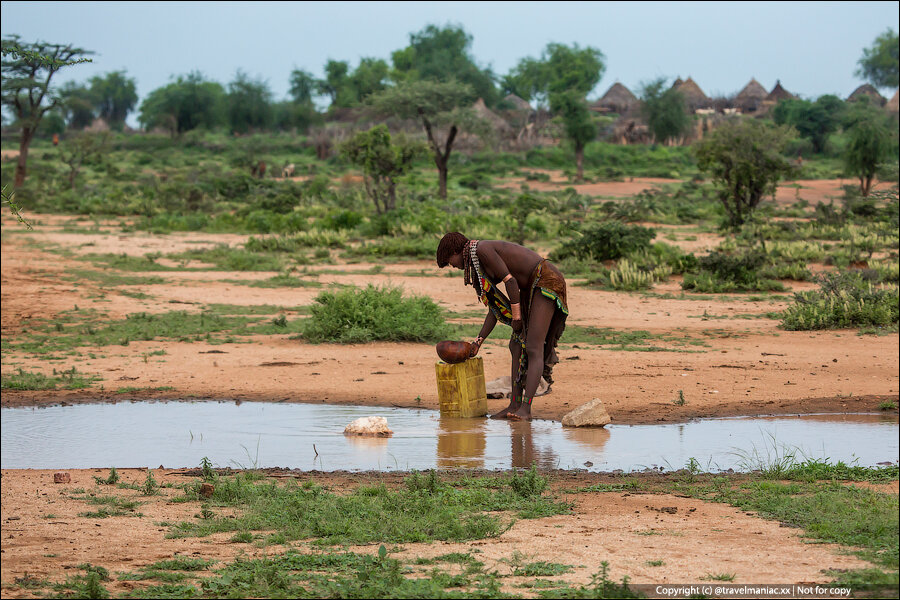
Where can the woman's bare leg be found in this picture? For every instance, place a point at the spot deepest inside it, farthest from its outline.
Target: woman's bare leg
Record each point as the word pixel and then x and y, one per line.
pixel 515 351
pixel 539 317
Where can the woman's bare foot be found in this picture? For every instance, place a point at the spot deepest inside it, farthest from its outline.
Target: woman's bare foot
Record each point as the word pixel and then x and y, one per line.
pixel 523 413
pixel 507 412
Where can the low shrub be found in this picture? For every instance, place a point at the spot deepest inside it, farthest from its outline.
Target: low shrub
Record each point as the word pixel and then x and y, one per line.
pixel 353 316
pixel 606 241
pixel 844 300
pixel 720 272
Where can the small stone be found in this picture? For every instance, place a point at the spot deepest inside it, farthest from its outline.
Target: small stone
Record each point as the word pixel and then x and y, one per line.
pixel 207 489
pixel 372 426
pixel 62 477
pixel 590 414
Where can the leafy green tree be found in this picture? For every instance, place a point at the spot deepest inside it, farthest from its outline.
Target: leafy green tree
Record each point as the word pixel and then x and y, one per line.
pixel 249 104
pixel 370 76
pixel 814 121
pixel 561 68
pixel 580 129
pixel 880 64
pixel 443 54
pixel 336 84
pixel 665 111
pixel 295 116
pixel 869 135
pixel 77 105
pixel 745 159
pixel 27 69
pixel 187 103
pixel 303 86
pixel 382 162
pixel 434 104
pixel 114 97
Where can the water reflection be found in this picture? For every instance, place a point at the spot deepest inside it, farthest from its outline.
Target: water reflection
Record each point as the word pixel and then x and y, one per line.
pixel 592 438
pixel 525 451
pixel 461 442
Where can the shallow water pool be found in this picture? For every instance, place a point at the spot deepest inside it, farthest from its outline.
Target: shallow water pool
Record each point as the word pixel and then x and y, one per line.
pixel 309 437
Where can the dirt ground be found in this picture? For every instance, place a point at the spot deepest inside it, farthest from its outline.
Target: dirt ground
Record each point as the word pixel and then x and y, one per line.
pixel 746 365
pixel 44 537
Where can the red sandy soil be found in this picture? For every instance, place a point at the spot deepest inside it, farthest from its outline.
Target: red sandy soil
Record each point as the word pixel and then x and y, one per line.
pixel 746 366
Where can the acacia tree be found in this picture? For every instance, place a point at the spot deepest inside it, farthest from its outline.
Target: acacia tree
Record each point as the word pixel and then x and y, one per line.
pixel 579 127
pixel 880 64
pixel 382 162
pixel 745 159
pixel 868 144
pixel 443 54
pixel 560 69
pixel 563 76
pixel 434 104
pixel 27 69
pixel 80 149
pixel 664 110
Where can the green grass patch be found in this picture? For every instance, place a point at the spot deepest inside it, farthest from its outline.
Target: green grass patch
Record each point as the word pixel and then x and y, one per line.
pixel 69 379
pixel 426 509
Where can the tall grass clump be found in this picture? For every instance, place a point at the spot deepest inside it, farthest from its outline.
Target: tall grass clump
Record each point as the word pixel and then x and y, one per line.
pixel 353 316
pixel 843 300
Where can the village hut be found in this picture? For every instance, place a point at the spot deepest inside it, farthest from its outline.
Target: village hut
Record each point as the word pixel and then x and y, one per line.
pixel 893 106
pixel 778 94
pixel 693 95
pixel 751 98
pixel 617 99
pixel 867 92
pixel 497 122
pixel 518 103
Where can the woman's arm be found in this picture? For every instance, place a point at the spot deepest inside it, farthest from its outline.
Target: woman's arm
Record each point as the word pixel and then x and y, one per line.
pixel 489 321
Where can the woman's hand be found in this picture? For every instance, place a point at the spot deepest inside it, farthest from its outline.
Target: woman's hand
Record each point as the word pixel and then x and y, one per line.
pixel 475 346
pixel 517 325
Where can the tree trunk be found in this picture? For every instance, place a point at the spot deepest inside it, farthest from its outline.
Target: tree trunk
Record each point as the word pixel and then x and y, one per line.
pixel 866 186
pixel 579 163
pixel 22 162
pixel 442 178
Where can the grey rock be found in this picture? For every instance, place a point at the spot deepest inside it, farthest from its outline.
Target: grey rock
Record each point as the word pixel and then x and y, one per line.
pixel 590 414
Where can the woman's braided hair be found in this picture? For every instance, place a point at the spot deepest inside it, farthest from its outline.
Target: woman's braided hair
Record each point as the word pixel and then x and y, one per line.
pixel 450 244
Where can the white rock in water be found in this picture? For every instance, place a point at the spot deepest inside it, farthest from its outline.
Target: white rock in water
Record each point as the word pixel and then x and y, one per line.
pixel 590 414
pixel 374 426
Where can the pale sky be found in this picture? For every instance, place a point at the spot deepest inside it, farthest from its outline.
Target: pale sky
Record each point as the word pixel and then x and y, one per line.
pixel 812 47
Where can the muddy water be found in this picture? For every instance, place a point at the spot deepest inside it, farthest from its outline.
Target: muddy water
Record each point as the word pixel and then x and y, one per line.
pixel 309 437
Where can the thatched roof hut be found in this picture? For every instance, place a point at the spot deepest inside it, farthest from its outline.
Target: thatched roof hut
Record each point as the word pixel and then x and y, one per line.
pixel 518 103
pixel 693 95
pixel 751 98
pixel 778 93
pixel 617 99
pixel 894 104
pixel 497 122
pixel 867 92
